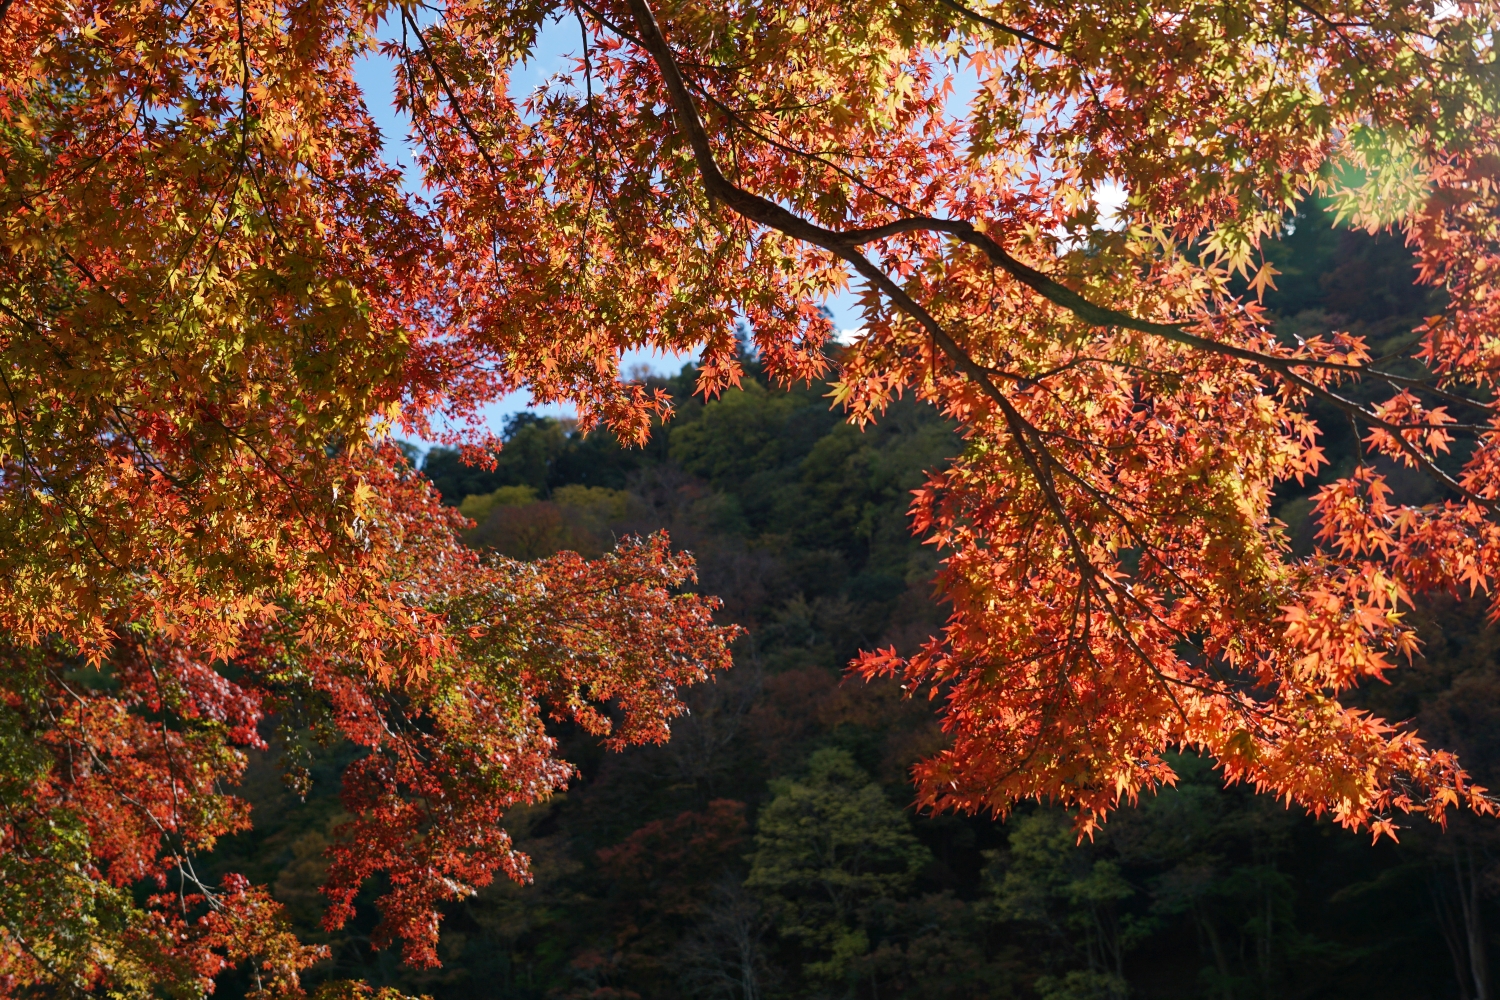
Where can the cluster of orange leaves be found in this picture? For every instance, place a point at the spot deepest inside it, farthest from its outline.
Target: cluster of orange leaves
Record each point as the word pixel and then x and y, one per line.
pixel 217 298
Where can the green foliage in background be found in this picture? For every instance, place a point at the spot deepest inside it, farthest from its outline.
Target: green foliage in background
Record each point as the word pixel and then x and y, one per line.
pixel 831 850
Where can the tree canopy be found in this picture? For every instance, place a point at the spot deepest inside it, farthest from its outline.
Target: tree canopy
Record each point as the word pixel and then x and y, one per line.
pixel 218 301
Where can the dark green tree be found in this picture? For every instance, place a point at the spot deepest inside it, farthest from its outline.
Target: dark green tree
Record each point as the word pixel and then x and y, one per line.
pixel 1046 882
pixel 831 850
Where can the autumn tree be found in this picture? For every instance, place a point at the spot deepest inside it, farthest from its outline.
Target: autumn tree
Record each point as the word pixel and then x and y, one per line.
pixel 662 873
pixel 217 300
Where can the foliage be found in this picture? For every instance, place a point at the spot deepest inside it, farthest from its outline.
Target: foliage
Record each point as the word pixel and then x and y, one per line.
pixel 217 301
pixel 1202 862
pixel 659 872
pixel 1072 897
pixel 576 518
pixel 540 453
pixel 116 767
pixel 828 850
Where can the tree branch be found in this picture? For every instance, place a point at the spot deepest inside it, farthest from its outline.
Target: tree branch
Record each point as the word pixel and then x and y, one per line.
pixel 442 79
pixel 845 245
pixel 974 15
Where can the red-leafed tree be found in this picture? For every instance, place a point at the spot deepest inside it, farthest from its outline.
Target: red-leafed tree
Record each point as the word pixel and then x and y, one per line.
pixel 216 300
pixel 117 759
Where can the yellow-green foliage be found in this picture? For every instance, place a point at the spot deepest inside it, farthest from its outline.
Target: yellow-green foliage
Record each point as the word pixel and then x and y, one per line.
pixel 479 506
pixel 595 501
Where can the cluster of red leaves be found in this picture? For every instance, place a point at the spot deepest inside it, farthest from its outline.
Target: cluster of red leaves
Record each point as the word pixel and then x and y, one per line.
pixel 565 634
pixel 1119 585
pixel 215 299
pixel 102 793
pixel 116 769
pixel 659 873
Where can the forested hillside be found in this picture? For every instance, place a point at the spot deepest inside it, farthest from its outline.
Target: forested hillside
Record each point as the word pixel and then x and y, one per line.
pixel 769 849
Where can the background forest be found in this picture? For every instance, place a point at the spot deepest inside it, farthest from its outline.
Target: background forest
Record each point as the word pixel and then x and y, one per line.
pixel 768 850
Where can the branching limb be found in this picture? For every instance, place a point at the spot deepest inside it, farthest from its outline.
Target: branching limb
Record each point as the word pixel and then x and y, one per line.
pixel 990 22
pixel 453 102
pixel 845 245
